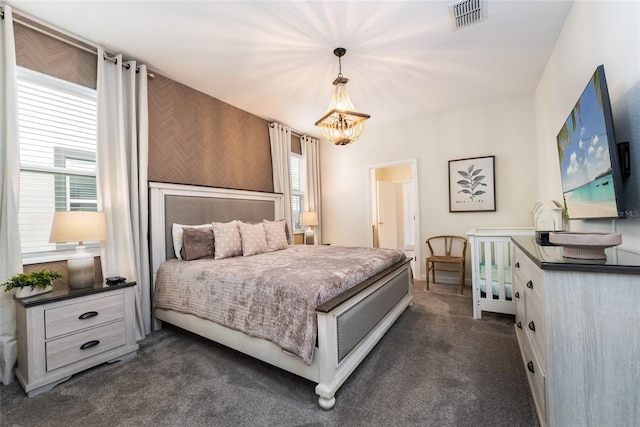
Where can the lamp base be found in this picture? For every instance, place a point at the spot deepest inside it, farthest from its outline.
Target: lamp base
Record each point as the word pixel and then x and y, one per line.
pixel 80 268
pixel 309 237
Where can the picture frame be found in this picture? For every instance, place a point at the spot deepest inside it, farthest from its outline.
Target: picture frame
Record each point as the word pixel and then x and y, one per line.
pixel 472 184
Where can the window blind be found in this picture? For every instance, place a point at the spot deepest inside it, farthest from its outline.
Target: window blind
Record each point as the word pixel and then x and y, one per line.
pixel 57 123
pixel 297 190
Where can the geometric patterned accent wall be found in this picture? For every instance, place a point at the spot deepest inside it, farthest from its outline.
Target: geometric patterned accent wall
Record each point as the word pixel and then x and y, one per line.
pixel 48 55
pixel 199 140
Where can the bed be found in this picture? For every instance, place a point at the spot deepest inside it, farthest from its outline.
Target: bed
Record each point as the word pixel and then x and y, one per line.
pixel 348 321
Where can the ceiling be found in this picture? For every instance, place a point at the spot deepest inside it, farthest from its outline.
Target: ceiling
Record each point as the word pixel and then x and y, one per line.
pixel 275 58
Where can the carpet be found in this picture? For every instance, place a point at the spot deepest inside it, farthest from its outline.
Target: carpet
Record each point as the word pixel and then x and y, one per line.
pixel 436 366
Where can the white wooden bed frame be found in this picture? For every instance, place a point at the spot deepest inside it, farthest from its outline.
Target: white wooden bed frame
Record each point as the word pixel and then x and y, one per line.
pixel 342 340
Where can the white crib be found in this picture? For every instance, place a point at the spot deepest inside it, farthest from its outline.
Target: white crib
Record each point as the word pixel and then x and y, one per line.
pixel 491 264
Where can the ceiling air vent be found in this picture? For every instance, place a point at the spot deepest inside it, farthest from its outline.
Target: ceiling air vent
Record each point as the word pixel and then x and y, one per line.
pixel 466 12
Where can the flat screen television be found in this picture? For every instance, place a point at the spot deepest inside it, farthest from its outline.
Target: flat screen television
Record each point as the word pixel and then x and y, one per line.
pixel 588 154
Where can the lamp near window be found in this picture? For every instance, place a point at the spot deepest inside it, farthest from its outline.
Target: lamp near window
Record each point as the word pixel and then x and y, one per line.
pixel 309 219
pixel 79 226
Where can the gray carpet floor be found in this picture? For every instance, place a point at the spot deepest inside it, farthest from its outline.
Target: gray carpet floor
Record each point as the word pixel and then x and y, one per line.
pixel 435 367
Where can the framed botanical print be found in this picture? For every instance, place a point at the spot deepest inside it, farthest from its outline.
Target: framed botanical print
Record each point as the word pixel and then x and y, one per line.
pixel 472 184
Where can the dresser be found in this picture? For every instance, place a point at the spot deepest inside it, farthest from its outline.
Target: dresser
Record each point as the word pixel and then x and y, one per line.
pixel 66 331
pixel 578 328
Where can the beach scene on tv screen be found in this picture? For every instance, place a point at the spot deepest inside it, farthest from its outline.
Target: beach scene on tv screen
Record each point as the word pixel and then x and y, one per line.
pixel 587 181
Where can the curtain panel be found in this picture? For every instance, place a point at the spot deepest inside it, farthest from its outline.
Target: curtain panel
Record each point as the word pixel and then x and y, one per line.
pixel 11 258
pixel 280 138
pixel 313 203
pixel 122 177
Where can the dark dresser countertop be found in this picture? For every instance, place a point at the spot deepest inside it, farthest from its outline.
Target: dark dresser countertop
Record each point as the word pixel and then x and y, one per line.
pixel 64 292
pixel 550 258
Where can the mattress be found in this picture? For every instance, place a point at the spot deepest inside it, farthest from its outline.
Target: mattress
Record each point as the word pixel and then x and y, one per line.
pixel 494 281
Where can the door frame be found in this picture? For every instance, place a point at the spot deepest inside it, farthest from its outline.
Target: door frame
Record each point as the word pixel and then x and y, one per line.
pixel 370 171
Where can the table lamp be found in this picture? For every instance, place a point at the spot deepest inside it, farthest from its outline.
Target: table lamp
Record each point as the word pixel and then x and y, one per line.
pixel 79 226
pixel 309 219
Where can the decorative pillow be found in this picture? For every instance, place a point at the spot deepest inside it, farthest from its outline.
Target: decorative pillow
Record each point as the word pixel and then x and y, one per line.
pixel 176 232
pixel 227 241
pixel 253 238
pixel 197 243
pixel 275 234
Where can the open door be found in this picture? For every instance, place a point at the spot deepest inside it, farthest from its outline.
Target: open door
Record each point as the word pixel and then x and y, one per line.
pixel 394 209
pixel 387 224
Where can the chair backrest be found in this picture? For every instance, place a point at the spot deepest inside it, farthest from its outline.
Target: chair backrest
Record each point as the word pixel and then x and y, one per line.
pixel 447 245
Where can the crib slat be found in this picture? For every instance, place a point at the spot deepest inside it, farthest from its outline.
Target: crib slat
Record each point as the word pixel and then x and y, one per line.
pixel 500 264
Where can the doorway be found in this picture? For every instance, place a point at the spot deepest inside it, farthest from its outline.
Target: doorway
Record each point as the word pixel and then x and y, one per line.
pixel 393 209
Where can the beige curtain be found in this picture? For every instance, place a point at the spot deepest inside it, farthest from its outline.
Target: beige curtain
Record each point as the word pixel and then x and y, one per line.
pixel 280 137
pixel 313 203
pixel 122 177
pixel 11 258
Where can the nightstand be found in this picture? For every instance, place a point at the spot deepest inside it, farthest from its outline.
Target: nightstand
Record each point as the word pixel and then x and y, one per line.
pixel 65 331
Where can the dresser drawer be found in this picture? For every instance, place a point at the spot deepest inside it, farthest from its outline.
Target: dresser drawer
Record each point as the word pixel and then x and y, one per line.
pixel 530 277
pixel 79 315
pixel 519 298
pixel 535 328
pixel 537 380
pixel 70 349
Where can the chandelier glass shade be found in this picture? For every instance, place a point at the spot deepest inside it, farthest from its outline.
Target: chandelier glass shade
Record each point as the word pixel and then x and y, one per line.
pixel 342 123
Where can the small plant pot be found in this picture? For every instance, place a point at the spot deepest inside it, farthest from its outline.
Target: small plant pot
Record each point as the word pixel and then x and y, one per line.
pixel 28 292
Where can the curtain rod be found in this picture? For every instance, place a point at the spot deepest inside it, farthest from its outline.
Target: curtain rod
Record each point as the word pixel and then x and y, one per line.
pixel 127 66
pixel 293 131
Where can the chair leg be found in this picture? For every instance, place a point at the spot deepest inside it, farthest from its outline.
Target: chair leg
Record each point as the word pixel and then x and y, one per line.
pixel 428 275
pixel 461 279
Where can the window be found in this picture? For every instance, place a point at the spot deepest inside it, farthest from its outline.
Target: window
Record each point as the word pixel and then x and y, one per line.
pixel 297 190
pixel 57 137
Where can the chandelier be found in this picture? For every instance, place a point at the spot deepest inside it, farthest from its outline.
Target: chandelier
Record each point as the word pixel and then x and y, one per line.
pixel 342 123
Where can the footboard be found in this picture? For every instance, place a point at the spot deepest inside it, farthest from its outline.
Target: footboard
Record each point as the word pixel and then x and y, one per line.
pixel 351 325
pixel 491 255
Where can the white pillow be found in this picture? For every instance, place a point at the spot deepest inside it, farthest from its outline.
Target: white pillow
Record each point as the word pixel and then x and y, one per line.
pixel 176 233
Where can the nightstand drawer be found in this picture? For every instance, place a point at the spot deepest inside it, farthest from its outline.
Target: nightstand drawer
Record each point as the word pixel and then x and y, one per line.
pixel 67 350
pixel 83 314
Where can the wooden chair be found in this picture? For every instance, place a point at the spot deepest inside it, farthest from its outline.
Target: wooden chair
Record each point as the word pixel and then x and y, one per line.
pixel 446 250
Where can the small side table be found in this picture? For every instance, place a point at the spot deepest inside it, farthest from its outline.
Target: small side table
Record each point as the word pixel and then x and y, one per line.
pixel 66 331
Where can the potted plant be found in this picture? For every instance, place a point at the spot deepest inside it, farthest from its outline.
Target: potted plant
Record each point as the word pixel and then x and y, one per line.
pixel 33 283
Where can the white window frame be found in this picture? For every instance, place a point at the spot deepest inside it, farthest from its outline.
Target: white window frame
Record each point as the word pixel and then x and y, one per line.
pixel 63 251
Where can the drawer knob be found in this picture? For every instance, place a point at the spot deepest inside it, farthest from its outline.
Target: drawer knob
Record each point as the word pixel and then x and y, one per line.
pixel 517 265
pixel 530 367
pixel 530 284
pixel 517 294
pixel 519 324
pixel 89 344
pixel 88 315
pixel 532 326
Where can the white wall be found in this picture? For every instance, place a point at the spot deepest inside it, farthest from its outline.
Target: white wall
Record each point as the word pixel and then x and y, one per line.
pixel 594 33
pixel 505 129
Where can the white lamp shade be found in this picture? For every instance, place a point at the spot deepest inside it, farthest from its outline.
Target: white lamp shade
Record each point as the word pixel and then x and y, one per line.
pixel 78 226
pixel 309 218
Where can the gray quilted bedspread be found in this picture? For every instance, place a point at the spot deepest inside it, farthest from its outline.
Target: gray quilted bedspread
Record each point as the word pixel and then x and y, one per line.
pixel 271 295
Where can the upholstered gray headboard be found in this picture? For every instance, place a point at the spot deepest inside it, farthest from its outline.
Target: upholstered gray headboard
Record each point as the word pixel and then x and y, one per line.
pixel 190 210
pixel 192 205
